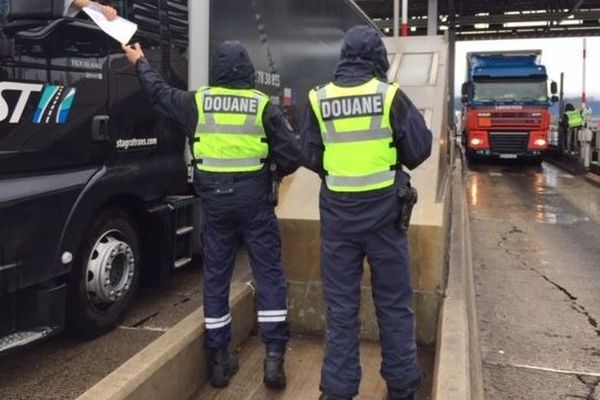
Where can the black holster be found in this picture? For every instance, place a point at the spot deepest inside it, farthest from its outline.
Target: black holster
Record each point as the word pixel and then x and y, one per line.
pixel 408 197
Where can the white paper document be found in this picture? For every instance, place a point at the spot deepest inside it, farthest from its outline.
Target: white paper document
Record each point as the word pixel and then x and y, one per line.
pixel 120 29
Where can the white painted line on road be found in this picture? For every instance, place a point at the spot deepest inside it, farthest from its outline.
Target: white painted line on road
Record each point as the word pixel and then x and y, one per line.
pixel 567 176
pixel 144 328
pixel 495 173
pixel 544 369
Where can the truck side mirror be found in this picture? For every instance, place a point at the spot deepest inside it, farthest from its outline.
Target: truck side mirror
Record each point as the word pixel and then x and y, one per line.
pixel 464 90
pixel 35 9
pixel 553 88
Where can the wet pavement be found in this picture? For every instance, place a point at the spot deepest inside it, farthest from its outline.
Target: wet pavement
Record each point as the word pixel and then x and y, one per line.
pixel 64 367
pixel 536 250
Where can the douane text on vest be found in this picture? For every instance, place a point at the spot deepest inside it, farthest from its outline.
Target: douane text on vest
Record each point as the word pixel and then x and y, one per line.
pixel 230 104
pixel 352 107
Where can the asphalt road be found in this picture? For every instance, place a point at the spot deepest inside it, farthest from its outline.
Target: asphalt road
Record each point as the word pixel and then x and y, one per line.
pixel 536 250
pixel 64 367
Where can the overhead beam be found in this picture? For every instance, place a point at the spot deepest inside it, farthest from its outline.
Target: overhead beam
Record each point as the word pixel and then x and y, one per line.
pixel 501 19
pixel 535 17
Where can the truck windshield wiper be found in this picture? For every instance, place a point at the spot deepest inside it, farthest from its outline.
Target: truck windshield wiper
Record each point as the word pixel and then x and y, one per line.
pixel 532 99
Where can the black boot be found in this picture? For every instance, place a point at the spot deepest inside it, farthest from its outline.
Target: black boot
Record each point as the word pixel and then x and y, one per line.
pixel 274 372
pixel 328 397
pixel 399 396
pixel 222 367
pixel 409 392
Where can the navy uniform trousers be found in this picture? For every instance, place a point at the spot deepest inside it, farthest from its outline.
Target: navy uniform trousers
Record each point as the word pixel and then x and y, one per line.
pixel 224 226
pixel 343 251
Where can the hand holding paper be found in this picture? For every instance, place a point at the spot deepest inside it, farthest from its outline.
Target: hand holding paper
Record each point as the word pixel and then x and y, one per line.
pixel 134 53
pixel 109 12
pixel 119 28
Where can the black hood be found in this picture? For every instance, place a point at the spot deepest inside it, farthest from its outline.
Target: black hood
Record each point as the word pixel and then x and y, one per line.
pixel 232 67
pixel 363 57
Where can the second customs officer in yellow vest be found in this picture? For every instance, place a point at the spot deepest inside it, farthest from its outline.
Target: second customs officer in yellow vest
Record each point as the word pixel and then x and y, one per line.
pixel 359 131
pixel 236 133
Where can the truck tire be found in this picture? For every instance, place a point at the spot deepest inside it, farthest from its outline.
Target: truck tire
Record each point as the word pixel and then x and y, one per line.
pixel 106 274
pixel 536 161
pixel 471 159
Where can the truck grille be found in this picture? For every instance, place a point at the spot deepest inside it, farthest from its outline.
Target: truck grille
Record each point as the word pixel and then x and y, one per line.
pixel 509 142
pixel 515 119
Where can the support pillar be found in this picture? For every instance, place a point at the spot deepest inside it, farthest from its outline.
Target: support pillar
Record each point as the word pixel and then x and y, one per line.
pixel 396 18
pixel 451 60
pixel 432 18
pixel 404 17
pixel 199 45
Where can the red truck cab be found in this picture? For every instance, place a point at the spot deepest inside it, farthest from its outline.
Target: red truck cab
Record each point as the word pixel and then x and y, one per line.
pixel 506 107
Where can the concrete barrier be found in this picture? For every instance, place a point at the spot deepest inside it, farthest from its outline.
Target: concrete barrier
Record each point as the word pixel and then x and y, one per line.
pixel 458 370
pixel 174 365
pixel 592 178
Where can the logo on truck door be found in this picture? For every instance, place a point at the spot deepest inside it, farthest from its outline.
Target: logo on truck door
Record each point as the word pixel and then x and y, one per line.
pixel 54 105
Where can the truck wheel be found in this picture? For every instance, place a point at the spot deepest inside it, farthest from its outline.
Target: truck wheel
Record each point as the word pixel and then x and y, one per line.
pixel 105 279
pixel 471 159
pixel 536 161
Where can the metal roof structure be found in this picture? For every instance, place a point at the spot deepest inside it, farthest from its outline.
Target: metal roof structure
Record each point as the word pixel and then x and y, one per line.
pixel 493 19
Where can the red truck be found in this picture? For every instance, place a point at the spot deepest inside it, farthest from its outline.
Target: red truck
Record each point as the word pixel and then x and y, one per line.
pixel 506 106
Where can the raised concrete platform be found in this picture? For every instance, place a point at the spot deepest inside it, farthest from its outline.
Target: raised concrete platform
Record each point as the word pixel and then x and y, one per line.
pixel 303 368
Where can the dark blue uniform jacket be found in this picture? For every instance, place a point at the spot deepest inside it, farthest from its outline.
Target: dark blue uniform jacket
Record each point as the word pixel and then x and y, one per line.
pixel 363 58
pixel 232 68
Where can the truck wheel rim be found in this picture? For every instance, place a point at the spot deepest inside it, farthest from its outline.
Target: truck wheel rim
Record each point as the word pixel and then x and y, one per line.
pixel 110 270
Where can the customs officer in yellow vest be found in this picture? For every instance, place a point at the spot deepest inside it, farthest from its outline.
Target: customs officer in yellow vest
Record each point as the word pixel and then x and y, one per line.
pixel 237 134
pixel 359 132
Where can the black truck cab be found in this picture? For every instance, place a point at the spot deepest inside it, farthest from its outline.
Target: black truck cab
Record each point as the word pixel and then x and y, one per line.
pixel 93 183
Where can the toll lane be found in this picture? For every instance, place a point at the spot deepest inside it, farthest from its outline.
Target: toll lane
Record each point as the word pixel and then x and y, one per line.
pixel 536 249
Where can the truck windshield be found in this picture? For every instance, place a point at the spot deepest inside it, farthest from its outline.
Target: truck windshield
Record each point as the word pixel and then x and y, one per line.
pixel 510 91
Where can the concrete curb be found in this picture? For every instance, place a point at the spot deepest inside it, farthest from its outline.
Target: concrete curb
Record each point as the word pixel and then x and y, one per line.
pixel 174 365
pixel 569 164
pixel 458 369
pixel 592 178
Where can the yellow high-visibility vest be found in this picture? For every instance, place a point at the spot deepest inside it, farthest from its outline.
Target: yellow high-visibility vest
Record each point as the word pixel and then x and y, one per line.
pixel 574 119
pixel 358 138
pixel 230 136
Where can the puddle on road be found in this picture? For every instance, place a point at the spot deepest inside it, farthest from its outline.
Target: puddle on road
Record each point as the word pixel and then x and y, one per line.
pixel 550 192
pixel 545 217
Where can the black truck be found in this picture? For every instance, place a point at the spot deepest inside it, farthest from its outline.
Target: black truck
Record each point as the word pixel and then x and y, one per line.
pixel 95 193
